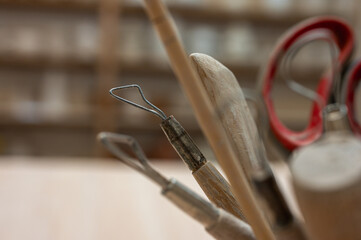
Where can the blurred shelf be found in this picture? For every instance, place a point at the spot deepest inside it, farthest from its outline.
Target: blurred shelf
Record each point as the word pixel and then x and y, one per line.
pixel 45 62
pixel 21 118
pixel 213 14
pixel 146 67
pixel 189 12
pixel 85 6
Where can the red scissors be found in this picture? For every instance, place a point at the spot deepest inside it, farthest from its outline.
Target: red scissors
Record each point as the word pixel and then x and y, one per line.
pixel 338 32
pixel 352 81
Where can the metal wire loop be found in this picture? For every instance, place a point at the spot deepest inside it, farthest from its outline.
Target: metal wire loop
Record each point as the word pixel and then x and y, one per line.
pixel 155 110
pixel 311 36
pixel 140 163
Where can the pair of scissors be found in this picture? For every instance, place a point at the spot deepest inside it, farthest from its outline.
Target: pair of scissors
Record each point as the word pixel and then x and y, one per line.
pixel 352 81
pixel 331 29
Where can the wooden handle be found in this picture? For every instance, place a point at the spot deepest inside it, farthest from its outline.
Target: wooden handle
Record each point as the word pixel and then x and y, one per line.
pixel 327 182
pixel 213 184
pixel 217 189
pixel 205 115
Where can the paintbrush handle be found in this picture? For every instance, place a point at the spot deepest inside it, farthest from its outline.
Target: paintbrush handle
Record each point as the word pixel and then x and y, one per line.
pixel 213 184
pixel 217 222
pixel 205 114
pixel 217 189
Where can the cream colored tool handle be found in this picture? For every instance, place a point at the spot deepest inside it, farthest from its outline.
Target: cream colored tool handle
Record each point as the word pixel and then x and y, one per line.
pixel 217 189
pixel 205 114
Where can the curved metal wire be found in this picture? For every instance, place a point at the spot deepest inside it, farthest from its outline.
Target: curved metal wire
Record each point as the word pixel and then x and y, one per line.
pixel 310 37
pixel 140 163
pixel 155 110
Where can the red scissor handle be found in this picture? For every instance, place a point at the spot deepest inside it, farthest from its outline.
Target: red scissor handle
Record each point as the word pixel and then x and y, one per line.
pixel 345 41
pixel 352 80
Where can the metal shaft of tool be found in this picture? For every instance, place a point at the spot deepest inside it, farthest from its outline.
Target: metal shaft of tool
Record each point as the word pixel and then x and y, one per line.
pixel 217 222
pixel 213 184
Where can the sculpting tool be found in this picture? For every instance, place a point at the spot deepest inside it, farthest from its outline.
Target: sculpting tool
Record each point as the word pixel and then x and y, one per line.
pixel 217 222
pixel 208 177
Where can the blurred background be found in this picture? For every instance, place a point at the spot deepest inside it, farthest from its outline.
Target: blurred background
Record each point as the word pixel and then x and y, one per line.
pixel 59 58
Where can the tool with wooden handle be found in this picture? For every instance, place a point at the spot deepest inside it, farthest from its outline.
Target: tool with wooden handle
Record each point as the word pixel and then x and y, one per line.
pixel 217 222
pixel 327 180
pixel 205 114
pixel 208 177
pixel 226 94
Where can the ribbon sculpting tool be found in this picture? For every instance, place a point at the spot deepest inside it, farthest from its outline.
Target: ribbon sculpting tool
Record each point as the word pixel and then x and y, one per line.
pixel 213 184
pixel 217 222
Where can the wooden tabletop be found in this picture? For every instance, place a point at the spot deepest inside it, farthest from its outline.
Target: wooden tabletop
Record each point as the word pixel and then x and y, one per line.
pixel 57 198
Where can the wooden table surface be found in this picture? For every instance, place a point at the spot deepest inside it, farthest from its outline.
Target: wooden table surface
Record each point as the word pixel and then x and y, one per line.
pixel 72 198
pixel 54 198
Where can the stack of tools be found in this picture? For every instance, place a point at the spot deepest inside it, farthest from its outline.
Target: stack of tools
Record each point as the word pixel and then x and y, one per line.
pixel 324 158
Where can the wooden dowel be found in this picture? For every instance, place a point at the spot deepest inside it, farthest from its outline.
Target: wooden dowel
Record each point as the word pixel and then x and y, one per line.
pixel 206 116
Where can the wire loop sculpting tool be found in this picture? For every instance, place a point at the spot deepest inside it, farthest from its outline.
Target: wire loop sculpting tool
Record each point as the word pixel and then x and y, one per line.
pixel 153 108
pixel 214 185
pixel 217 222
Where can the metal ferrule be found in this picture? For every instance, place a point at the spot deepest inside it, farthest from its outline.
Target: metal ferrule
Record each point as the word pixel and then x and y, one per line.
pixel 183 143
pixel 335 118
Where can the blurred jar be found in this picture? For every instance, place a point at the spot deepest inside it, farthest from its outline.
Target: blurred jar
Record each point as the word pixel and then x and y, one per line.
pixel 312 7
pixel 58 41
pixel 85 40
pixel 28 41
pixel 133 38
pixel 275 7
pixel 238 44
pixel 54 96
pixel 203 38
